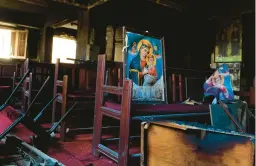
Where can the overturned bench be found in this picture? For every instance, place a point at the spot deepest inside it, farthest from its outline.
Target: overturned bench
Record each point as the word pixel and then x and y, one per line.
pixel 192 144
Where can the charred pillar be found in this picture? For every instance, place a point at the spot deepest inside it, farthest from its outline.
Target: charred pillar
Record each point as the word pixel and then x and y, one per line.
pixel 45 53
pixel 82 50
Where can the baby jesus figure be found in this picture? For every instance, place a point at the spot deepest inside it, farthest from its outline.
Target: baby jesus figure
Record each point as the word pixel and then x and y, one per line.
pixel 149 72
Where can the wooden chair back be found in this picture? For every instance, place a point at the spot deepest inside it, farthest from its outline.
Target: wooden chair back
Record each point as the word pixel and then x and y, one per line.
pixel 27 92
pixel 120 156
pixel 62 98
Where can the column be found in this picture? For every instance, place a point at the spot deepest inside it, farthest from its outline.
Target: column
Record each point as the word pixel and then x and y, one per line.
pixel 83 49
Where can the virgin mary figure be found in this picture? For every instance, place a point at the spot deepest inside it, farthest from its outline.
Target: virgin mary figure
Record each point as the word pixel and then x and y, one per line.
pixel 138 63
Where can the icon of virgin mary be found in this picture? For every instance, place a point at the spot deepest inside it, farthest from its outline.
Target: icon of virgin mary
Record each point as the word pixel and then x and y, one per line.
pixel 139 62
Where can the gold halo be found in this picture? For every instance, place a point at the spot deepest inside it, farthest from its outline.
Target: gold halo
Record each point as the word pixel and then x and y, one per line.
pixel 146 42
pixel 154 62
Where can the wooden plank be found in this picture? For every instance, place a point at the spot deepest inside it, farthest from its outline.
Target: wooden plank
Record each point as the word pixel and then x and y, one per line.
pixel 168 145
pixel 112 89
pixel 110 112
pixel 59 83
pixel 83 78
pixel 108 152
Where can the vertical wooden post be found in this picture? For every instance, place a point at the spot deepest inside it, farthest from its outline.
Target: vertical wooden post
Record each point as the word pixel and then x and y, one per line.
pixel 82 34
pixel 56 74
pixel 98 103
pixel 123 154
pixel 252 96
pixel 64 106
pixel 73 77
pixel 110 42
pixel 25 66
pixel 46 44
pixel 14 80
pixel 173 88
pixel 23 95
pixel 30 89
pixel 121 76
pixel 83 78
pixel 180 87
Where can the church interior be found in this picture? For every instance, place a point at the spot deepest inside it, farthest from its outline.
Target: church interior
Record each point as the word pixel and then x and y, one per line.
pixel 127 82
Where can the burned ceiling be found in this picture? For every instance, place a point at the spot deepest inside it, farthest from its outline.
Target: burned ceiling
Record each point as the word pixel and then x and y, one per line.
pixel 35 12
pixel 86 4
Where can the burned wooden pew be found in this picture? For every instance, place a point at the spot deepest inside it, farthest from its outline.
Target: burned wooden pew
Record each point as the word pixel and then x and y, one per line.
pixel 40 73
pixel 179 143
pixel 43 137
pixel 71 85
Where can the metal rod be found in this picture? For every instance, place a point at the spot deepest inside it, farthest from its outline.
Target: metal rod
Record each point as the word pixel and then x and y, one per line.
pixel 79 60
pixel 42 111
pixel 231 116
pixel 16 88
pixel 29 107
pixel 116 139
pixel 91 128
pixel 62 118
pixel 167 116
pixel 6 131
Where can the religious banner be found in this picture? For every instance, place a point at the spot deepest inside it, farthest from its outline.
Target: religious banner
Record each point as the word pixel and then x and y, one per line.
pixel 144 65
pixel 229 43
pixel 219 84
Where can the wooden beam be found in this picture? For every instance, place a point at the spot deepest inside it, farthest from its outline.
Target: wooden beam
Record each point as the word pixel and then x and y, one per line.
pixel 89 5
pixel 96 3
pixel 168 3
pixel 52 8
pixel 75 4
pixel 36 2
pixel 22 18
pixel 22 6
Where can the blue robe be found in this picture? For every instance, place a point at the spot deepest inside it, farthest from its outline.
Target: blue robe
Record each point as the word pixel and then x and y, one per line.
pixel 135 64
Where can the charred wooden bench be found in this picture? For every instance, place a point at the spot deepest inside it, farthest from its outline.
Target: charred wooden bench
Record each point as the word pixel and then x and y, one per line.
pixel 76 86
pixel 125 112
pixel 42 137
pixel 40 73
